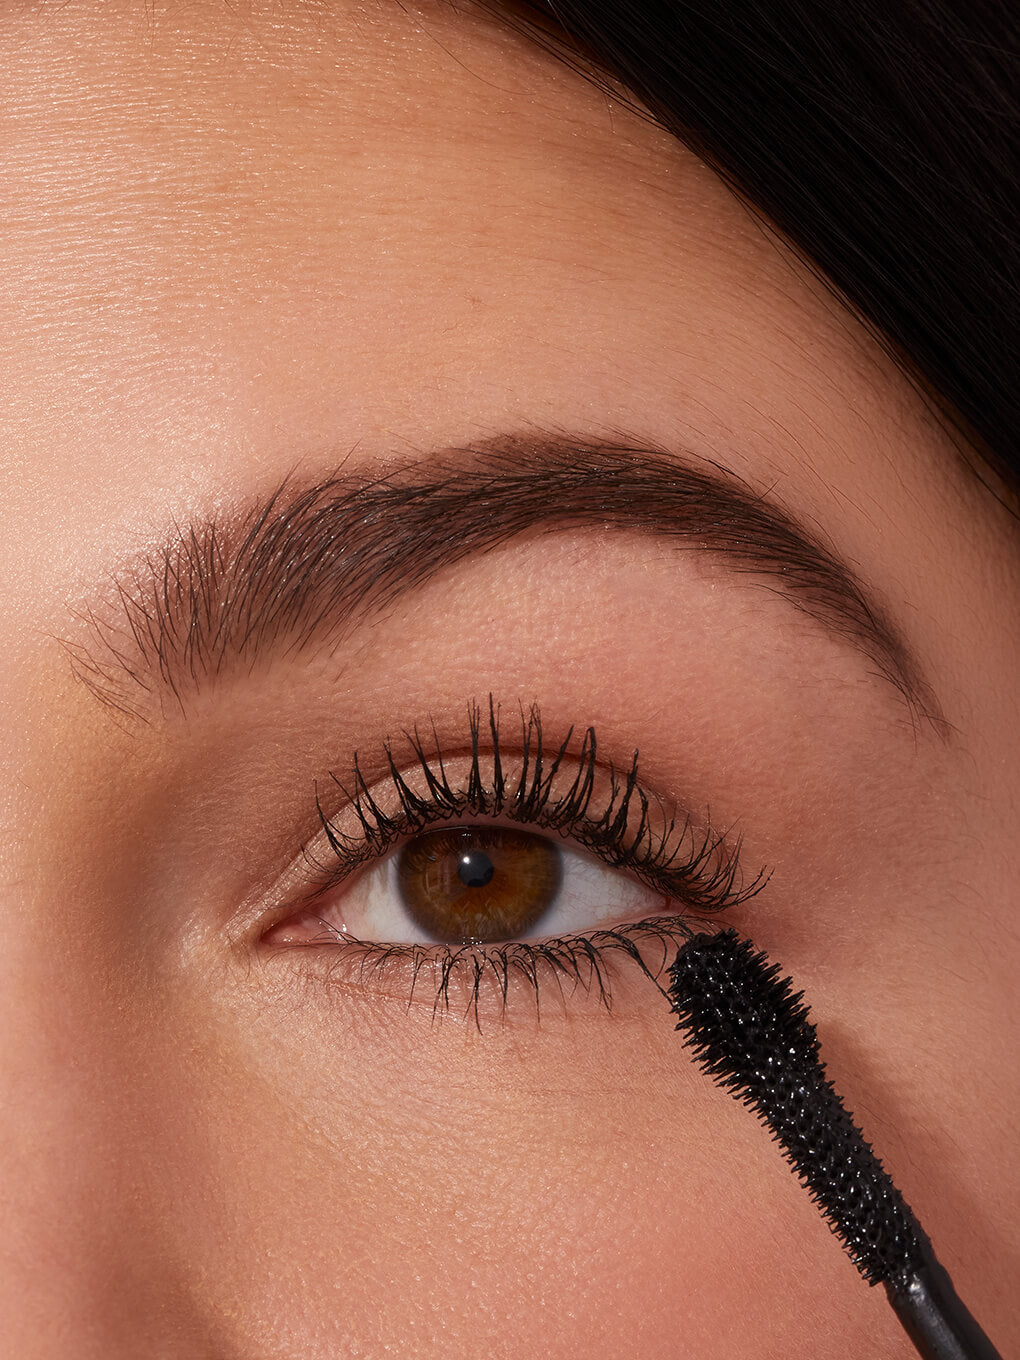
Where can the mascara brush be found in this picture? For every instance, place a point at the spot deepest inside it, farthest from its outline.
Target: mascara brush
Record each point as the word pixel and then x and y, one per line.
pixel 750 1031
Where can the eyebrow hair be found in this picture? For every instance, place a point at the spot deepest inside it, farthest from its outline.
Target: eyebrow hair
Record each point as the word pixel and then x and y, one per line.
pixel 308 562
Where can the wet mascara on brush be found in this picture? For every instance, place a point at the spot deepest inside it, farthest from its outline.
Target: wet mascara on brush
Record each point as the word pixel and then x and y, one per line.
pixel 750 1031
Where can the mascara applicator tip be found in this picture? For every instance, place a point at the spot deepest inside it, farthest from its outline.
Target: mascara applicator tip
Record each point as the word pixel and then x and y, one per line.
pixel 750 1031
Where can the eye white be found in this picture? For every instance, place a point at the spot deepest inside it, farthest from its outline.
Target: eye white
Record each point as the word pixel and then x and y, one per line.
pixel 591 896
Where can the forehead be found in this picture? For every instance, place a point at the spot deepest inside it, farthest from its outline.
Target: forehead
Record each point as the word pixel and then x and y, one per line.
pixel 203 155
pixel 269 205
pixel 240 241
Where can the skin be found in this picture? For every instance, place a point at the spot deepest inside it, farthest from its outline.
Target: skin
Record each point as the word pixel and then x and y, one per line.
pixel 245 242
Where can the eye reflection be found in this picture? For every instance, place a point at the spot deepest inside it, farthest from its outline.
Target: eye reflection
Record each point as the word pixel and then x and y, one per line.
pixel 478 885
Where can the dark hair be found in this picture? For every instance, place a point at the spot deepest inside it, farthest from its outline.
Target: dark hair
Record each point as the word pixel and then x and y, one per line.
pixel 879 136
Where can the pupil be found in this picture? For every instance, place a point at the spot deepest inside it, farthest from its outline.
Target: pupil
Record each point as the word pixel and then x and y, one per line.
pixel 475 869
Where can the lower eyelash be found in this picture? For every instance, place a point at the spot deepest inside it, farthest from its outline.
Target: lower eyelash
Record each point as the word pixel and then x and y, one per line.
pixel 474 973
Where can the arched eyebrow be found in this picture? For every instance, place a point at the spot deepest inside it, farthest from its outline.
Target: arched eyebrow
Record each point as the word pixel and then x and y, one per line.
pixel 302 567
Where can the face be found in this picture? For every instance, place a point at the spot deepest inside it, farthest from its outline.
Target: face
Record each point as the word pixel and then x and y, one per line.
pixel 381 403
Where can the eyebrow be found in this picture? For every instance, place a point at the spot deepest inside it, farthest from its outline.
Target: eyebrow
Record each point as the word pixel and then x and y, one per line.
pixel 305 564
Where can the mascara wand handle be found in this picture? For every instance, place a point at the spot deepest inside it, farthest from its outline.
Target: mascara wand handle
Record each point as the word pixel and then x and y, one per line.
pixel 934 1317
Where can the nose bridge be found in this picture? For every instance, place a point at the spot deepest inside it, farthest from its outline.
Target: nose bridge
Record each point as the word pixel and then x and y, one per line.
pixel 82 1275
pixel 52 1163
pixel 70 1236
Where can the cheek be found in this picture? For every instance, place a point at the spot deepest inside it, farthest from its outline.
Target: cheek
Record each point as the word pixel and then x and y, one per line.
pixel 361 1188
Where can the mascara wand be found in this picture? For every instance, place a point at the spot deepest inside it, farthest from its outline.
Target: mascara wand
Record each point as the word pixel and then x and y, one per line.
pixel 750 1031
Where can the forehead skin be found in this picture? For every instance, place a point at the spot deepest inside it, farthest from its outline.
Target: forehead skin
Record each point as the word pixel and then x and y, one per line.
pixel 239 242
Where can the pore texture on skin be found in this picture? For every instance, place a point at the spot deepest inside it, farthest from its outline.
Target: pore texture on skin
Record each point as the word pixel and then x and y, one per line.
pixel 364 366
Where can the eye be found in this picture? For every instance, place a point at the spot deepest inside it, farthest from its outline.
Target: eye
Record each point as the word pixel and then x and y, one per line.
pixel 474 885
pixel 475 865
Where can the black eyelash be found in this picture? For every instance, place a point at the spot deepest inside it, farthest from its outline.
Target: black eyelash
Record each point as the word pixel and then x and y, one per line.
pixel 580 960
pixel 698 869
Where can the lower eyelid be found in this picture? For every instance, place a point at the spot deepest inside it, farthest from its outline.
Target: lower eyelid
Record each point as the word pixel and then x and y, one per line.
pixel 493 982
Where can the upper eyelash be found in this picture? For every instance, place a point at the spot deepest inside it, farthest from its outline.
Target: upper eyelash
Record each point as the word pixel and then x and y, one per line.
pixel 699 869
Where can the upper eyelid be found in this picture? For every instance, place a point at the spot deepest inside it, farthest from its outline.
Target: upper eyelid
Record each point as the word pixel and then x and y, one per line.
pixel 672 854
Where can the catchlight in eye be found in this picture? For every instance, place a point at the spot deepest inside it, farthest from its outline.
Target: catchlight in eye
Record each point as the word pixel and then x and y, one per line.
pixel 478 885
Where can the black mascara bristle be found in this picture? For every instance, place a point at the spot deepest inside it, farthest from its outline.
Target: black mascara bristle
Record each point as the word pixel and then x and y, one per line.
pixel 750 1031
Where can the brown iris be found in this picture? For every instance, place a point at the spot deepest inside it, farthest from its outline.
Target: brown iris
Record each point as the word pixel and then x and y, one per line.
pixel 478 885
